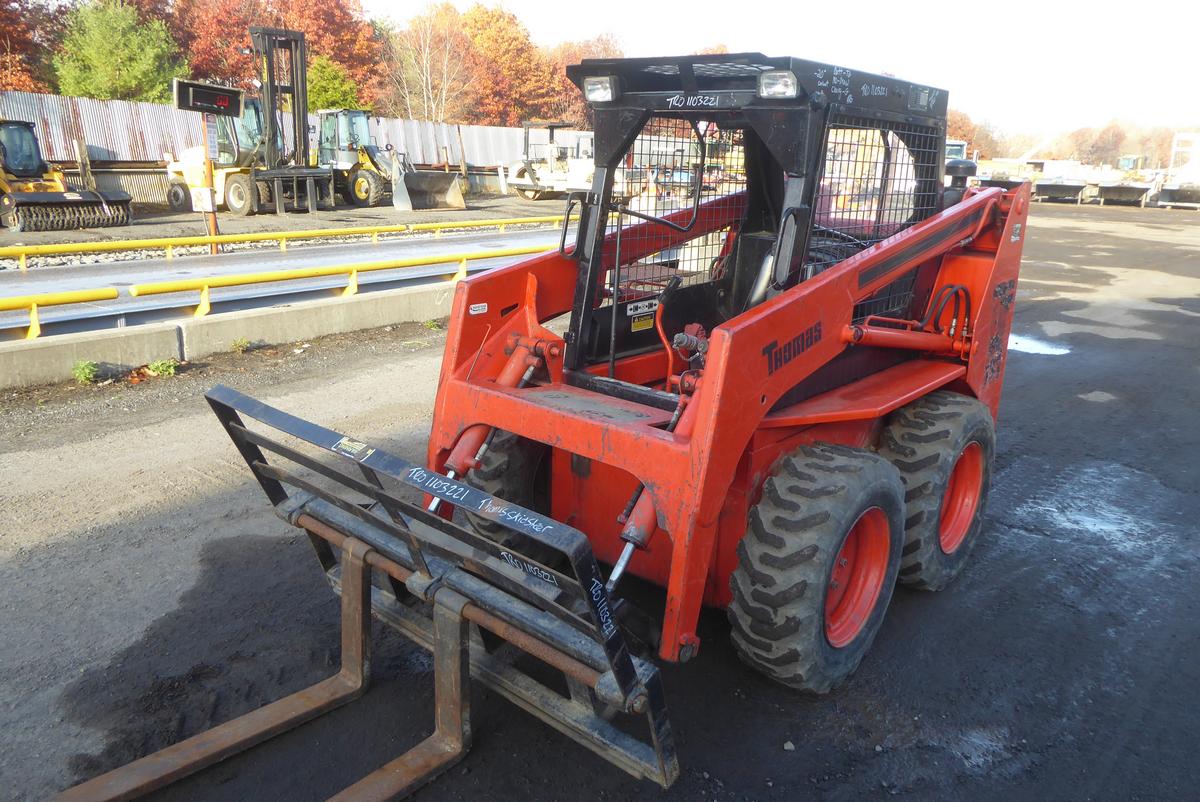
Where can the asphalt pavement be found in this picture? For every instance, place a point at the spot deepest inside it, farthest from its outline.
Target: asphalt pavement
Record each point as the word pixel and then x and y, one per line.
pixel 148 592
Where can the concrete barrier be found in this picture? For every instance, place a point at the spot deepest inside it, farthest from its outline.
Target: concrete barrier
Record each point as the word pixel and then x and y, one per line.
pixel 49 359
pixel 302 321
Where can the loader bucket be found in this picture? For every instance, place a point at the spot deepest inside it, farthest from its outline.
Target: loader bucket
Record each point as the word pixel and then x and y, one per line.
pixel 429 189
pixel 486 612
pixel 1060 189
pixel 1125 192
pixel 1182 196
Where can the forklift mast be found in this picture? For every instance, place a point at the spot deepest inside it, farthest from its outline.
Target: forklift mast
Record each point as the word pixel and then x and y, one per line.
pixel 283 60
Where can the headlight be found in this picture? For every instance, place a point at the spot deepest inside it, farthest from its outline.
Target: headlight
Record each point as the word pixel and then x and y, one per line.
pixel 778 83
pixel 600 89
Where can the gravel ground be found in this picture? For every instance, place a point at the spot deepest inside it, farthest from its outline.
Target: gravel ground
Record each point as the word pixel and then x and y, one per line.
pixel 146 591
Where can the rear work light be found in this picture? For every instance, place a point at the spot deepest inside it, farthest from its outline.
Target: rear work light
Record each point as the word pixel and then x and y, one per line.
pixel 600 89
pixel 778 84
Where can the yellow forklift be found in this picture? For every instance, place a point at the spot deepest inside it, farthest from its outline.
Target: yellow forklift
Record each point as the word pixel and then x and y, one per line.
pixel 253 167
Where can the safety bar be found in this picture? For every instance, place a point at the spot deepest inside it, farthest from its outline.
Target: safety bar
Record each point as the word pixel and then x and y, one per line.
pixel 33 302
pixel 351 271
pixel 169 244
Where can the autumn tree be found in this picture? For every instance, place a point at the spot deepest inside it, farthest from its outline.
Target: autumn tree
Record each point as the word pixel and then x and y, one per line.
pixel 330 86
pixel 213 35
pixel 338 30
pixel 566 102
pixel 1107 144
pixel 19 47
pixel 1155 144
pixel 107 53
pixel 512 80
pixel 426 66
pixel 978 136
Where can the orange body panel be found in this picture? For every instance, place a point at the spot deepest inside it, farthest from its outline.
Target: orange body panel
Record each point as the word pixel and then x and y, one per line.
pixel 703 484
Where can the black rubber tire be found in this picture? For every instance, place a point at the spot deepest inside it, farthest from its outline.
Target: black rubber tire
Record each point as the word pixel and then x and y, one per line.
pixel 17 220
pixel 365 188
pixel 240 196
pixel 265 194
pixel 514 469
pixel 809 504
pixel 924 440
pixel 179 197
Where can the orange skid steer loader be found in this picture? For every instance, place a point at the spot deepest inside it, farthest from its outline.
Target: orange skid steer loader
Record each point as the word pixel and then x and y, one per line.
pixel 774 392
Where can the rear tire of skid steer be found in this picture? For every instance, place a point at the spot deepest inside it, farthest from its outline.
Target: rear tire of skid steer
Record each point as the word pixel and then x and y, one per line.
pixel 817 566
pixel 513 469
pixel 240 195
pixel 942 445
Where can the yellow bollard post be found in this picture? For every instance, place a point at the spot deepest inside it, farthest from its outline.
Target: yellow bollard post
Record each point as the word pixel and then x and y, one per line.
pixel 21 263
pixel 35 325
pixel 374 237
pixel 170 252
pixel 205 305
pixel 502 228
pixel 282 244
pixel 352 284
pixel 461 273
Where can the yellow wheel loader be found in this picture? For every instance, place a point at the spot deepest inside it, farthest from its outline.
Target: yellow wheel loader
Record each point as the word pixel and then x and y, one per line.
pixel 363 172
pixel 34 195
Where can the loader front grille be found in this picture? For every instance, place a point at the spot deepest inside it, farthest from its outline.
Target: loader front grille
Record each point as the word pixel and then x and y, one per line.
pixel 670 169
pixel 878 179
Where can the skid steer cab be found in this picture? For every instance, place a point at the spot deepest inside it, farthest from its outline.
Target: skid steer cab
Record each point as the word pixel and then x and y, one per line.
pixel 775 393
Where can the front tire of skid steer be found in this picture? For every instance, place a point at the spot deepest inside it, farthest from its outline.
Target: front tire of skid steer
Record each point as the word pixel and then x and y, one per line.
pixel 514 469
pixel 942 445
pixel 817 566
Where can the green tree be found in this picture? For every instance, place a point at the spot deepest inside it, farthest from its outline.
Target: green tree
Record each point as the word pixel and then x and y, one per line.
pixel 330 86
pixel 108 53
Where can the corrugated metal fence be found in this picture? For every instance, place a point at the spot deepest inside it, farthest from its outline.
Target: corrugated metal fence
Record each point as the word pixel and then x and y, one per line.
pixel 119 130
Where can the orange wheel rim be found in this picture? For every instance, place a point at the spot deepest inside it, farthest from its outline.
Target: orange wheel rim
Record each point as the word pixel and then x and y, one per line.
pixel 961 501
pixel 857 578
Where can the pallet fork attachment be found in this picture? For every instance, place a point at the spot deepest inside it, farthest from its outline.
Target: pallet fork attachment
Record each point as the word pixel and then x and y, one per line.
pixel 483 611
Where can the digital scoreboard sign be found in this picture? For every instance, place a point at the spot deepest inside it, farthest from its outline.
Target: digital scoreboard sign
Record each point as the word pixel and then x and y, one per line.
pixel 207 98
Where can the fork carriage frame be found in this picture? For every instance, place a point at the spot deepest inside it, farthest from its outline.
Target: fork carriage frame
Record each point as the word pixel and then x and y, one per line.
pixel 478 608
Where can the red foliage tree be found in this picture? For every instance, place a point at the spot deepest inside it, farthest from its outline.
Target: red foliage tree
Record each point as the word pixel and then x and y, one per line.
pixel 338 30
pixel 566 101
pixel 212 35
pixel 19 47
pixel 510 80
pixel 979 138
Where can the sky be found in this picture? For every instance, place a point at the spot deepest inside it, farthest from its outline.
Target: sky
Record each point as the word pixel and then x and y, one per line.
pixel 1022 66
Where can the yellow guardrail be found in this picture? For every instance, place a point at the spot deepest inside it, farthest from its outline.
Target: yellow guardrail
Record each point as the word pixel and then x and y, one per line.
pixel 205 284
pixel 33 302
pixel 169 244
